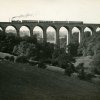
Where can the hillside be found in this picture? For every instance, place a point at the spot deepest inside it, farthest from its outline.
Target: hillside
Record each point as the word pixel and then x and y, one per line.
pixel 24 82
pixel 90 45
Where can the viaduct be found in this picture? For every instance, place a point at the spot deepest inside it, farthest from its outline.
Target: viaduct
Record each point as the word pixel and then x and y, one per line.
pixel 69 25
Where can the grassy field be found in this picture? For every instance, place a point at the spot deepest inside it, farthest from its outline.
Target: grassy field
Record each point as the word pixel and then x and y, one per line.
pixel 25 82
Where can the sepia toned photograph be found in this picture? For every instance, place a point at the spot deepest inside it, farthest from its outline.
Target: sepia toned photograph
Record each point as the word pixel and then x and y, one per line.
pixel 49 49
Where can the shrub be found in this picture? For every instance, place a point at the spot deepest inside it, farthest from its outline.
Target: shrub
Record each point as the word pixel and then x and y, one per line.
pixel 32 61
pixel 54 62
pixel 90 45
pixel 25 49
pixel 47 50
pixel 80 70
pixel 7 42
pixel 47 61
pixel 69 69
pixel 11 58
pixel 21 59
pixel 86 76
pixel 89 76
pixel 73 49
pixel 61 58
pixel 32 39
pixel 7 57
pixel 82 74
pixel 96 64
pixel 41 64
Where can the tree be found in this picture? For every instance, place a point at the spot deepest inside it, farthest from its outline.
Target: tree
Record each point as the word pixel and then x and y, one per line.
pixel 96 64
pixel 7 42
pixel 25 49
pixel 73 49
pixel 61 58
pixel 87 34
pixel 32 39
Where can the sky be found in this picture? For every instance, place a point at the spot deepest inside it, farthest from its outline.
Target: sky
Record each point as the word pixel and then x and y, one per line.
pixel 87 11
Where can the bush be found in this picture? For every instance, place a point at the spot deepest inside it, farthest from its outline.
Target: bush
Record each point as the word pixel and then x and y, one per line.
pixel 47 50
pixel 11 58
pixel 7 42
pixel 82 74
pixel 73 49
pixel 54 62
pixel 33 61
pixel 41 64
pixel 90 45
pixel 32 39
pixel 25 49
pixel 96 64
pixel 69 69
pixel 61 58
pixel 7 57
pixel 47 61
pixel 86 76
pixel 21 59
pixel 89 76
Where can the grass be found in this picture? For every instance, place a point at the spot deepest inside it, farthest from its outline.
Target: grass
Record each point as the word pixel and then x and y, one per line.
pixel 25 82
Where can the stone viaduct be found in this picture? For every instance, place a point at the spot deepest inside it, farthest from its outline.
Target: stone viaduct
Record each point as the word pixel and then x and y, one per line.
pixel 69 25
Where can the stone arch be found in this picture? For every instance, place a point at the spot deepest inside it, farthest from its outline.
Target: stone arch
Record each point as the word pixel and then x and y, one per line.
pixel 98 30
pixel 38 30
pixel 76 34
pixel 51 34
pixel 11 29
pixel 88 31
pixel 63 36
pixel 24 31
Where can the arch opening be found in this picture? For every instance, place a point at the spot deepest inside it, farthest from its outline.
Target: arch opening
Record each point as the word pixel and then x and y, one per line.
pixel 88 32
pixel 38 31
pixel 98 30
pixel 24 31
pixel 1 30
pixel 63 36
pixel 76 35
pixel 51 34
pixel 11 29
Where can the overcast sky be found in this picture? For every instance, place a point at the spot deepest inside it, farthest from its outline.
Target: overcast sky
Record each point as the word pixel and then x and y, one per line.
pixel 70 10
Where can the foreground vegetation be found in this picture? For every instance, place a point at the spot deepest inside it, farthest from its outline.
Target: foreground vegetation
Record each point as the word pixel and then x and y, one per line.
pixel 25 82
pixel 22 80
pixel 91 47
pixel 29 49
